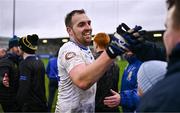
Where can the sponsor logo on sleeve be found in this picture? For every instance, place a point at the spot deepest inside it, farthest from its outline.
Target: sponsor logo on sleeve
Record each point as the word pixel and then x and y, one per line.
pixel 70 55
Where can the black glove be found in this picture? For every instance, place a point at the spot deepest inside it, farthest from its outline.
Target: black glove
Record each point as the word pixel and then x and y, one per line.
pixel 131 36
pixel 123 38
pixel 116 47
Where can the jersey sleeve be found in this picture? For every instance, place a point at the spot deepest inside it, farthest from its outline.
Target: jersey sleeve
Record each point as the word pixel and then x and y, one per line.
pixel 71 57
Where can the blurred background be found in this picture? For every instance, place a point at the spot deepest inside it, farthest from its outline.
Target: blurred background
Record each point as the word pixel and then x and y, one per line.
pixel 46 18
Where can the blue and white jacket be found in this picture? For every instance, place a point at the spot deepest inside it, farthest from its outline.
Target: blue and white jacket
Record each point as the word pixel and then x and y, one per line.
pixel 128 93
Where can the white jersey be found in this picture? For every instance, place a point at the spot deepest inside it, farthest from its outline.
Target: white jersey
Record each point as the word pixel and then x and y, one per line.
pixel 72 99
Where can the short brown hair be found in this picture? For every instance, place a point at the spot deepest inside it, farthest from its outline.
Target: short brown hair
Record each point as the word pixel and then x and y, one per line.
pixel 102 39
pixel 170 3
pixel 68 17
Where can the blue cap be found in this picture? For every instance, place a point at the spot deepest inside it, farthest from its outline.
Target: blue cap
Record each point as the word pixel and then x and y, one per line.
pixel 13 42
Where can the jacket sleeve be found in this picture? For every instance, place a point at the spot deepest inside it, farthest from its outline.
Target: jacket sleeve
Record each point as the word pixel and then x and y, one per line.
pixel 129 99
pixel 149 51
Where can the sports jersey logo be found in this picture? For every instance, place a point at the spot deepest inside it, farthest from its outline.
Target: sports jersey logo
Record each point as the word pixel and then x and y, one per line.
pixel 70 55
pixel 129 76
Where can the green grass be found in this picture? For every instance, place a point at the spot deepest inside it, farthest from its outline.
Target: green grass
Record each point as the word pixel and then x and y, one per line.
pixel 122 65
pixel 1 111
pixel 46 78
pixel 47 88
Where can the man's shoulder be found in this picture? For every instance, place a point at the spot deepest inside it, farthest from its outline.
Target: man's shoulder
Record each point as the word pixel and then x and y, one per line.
pixel 164 87
pixel 161 87
pixel 6 61
pixel 163 97
pixel 69 47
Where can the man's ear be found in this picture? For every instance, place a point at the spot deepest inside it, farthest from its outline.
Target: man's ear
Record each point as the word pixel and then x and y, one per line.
pixel 69 30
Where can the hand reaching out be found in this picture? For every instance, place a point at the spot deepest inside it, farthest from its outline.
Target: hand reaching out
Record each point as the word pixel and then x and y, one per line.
pixel 112 101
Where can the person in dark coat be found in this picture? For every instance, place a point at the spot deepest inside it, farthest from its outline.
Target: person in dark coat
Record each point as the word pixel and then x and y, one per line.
pixel 164 96
pixel 110 78
pixel 9 76
pixel 31 93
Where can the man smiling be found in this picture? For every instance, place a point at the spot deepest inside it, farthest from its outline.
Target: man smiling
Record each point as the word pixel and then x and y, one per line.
pixel 77 68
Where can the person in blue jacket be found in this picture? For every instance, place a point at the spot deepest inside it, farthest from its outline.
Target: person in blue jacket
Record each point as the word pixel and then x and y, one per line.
pixel 52 73
pixel 128 97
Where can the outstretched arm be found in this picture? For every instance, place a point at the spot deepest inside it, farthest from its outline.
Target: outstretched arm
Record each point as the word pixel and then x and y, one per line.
pixel 136 39
pixel 149 51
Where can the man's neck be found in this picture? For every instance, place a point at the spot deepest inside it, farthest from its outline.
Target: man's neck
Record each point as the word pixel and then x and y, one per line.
pixel 99 49
pixel 25 55
pixel 78 43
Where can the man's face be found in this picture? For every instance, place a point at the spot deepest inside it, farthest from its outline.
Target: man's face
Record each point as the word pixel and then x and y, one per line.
pixel 127 55
pixel 80 29
pixel 171 35
pixel 21 52
pixel 16 50
pixel 2 52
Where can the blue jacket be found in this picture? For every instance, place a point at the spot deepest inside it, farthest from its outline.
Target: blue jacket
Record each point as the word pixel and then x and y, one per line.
pixel 129 97
pixel 51 69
